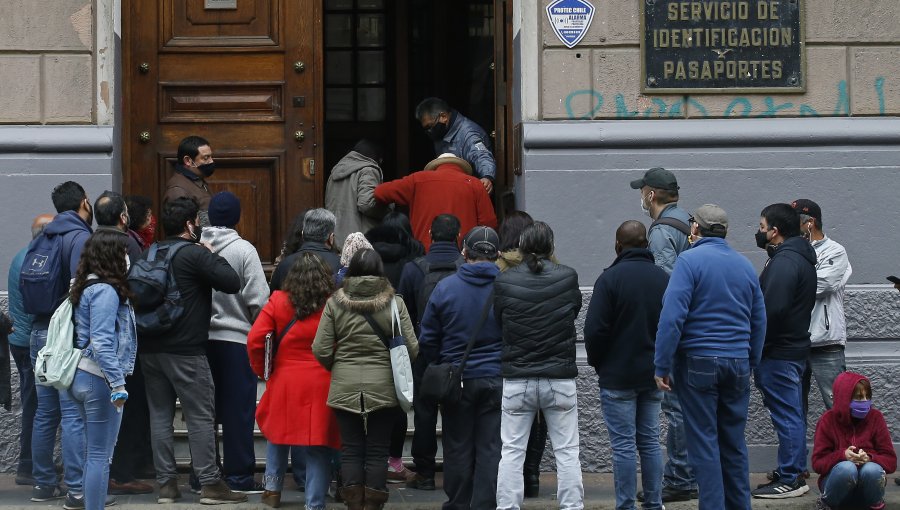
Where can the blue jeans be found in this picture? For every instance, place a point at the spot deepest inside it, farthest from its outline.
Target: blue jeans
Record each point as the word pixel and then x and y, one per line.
pixel 715 396
pixel 53 407
pixel 102 420
pixel 779 382
pixel 632 419
pixel 558 400
pixel 318 471
pixel 850 485
pixel 28 396
pixel 678 474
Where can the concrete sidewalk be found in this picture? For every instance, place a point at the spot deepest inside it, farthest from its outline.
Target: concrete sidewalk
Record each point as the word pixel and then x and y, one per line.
pixel 598 492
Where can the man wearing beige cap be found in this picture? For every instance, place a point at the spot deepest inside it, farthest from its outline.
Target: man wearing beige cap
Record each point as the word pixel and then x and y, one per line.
pixel 712 355
pixel 445 187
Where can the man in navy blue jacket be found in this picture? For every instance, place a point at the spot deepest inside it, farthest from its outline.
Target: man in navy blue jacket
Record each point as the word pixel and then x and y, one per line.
pixel 471 427
pixel 710 335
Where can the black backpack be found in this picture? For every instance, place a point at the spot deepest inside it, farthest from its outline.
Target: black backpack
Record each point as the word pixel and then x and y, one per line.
pixel 43 281
pixel 155 295
pixel 433 274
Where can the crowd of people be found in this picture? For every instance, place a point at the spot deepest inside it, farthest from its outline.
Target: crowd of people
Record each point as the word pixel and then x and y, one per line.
pixel 680 323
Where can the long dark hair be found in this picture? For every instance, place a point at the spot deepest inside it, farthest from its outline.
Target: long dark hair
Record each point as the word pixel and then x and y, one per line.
pixel 365 262
pixel 308 283
pixel 400 221
pixel 512 228
pixel 104 256
pixel 536 245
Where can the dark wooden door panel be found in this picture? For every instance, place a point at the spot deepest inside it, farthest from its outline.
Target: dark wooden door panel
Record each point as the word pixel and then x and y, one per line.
pixel 188 25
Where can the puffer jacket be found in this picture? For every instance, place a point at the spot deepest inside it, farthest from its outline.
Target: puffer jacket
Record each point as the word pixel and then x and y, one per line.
pixel 345 344
pixel 350 195
pixel 537 314
pixel 828 326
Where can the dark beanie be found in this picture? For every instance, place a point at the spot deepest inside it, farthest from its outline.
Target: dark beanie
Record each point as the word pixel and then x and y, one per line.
pixel 224 210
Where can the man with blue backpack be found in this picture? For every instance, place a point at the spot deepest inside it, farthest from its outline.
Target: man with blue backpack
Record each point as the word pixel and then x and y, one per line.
pixel 49 265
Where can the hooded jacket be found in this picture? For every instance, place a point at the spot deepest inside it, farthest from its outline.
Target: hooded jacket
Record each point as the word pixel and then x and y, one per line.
pixel 828 325
pixel 537 314
pixel 837 430
pixel 447 189
pixel 233 314
pixel 451 315
pixel 361 377
pixel 75 232
pixel 788 284
pixel 387 241
pixel 350 195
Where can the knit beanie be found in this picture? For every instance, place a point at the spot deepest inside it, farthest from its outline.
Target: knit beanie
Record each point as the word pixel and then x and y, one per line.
pixel 224 210
pixel 354 242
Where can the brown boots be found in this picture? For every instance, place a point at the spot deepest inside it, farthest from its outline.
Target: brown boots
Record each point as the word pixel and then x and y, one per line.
pixel 271 499
pixel 358 497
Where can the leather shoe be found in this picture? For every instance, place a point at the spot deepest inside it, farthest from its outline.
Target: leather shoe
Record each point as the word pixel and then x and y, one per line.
pixel 420 482
pixel 132 487
pixel 669 495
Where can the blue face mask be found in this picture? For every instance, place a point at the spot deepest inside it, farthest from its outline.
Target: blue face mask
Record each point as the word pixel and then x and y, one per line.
pixel 860 408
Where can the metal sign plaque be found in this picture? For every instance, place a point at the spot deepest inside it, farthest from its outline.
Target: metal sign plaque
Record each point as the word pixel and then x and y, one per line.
pixel 570 20
pixel 220 4
pixel 722 46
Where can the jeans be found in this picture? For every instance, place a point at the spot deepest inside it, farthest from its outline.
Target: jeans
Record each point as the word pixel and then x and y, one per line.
pixel 133 453
pixel 850 485
pixel 779 382
pixel 715 396
pixel 522 399
pixel 424 442
pixel 632 419
pixel 364 447
pixel 678 474
pixel 298 465
pixel 235 393
pixel 102 419
pixel 471 437
pixel 318 471
pixel 171 376
pixel 54 408
pixel 825 363
pixel 28 396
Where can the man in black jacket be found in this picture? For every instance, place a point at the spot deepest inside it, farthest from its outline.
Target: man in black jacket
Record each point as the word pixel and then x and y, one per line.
pixel 788 282
pixel 318 238
pixel 175 365
pixel 619 336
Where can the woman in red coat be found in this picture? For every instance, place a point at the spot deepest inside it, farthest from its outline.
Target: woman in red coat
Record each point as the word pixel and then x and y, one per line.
pixel 292 411
pixel 853 449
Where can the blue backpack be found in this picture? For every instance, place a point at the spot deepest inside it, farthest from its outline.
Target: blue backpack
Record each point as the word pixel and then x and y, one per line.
pixel 155 295
pixel 42 280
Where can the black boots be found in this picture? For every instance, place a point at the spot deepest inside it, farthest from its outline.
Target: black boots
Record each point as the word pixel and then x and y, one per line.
pixel 533 454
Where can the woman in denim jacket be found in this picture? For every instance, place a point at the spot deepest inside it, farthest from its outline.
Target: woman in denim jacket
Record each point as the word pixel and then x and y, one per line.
pixel 105 330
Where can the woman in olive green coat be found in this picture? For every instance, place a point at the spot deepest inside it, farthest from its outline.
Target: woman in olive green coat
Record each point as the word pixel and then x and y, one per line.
pixel 362 393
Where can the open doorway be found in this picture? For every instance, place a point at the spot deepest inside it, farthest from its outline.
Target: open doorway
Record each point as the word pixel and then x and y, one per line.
pixel 382 57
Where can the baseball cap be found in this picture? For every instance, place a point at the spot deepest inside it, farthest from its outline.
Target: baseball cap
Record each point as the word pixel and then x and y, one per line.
pixel 711 217
pixel 657 177
pixel 807 207
pixel 482 241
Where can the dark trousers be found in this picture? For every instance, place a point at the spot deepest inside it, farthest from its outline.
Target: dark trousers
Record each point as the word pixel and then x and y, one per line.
pixel 133 453
pixel 22 358
pixel 364 446
pixel 424 443
pixel 398 431
pixel 471 437
pixel 235 409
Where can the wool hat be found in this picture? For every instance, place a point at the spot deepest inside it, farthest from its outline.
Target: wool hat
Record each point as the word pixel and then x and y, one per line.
pixel 449 157
pixel 658 178
pixel 711 217
pixel 224 210
pixel 482 241
pixel 808 207
pixel 355 241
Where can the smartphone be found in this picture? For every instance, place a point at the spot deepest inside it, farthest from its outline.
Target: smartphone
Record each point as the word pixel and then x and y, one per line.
pixel 893 279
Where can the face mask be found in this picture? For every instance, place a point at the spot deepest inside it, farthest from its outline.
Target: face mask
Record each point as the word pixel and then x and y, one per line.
pixel 761 240
pixel 860 408
pixel 196 232
pixel 437 131
pixel 208 169
pixel 90 218
pixel 645 206
pixel 148 233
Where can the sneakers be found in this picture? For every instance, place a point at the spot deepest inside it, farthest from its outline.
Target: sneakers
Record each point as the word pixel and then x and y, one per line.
pixel 41 493
pixel 420 482
pixel 168 492
pixel 398 475
pixel 253 488
pixel 24 479
pixel 780 490
pixel 74 502
pixel 219 493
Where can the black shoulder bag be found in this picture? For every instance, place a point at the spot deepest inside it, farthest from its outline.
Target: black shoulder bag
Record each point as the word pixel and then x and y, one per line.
pixel 442 382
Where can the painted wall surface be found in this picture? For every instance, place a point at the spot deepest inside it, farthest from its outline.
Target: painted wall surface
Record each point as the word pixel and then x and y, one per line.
pixel 852 63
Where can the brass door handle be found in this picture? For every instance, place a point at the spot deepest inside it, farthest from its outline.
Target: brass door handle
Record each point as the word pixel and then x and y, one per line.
pixel 144 137
pixel 299 67
pixel 299 136
pixel 144 68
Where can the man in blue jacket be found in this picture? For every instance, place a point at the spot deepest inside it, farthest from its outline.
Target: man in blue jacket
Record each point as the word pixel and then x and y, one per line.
pixel 789 285
pixel 712 326
pixel 471 427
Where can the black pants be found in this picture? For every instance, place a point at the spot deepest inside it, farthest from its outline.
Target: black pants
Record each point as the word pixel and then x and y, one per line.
pixel 398 431
pixel 28 395
pixel 364 447
pixel 424 443
pixel 471 437
pixel 133 454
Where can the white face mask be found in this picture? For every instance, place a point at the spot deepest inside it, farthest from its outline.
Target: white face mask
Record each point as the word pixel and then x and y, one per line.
pixel 645 206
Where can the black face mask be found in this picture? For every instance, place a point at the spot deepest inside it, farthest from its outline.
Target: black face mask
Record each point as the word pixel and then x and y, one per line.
pixel 437 131
pixel 208 169
pixel 196 232
pixel 761 240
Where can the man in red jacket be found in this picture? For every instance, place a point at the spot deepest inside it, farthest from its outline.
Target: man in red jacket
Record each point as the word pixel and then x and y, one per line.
pixel 445 187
